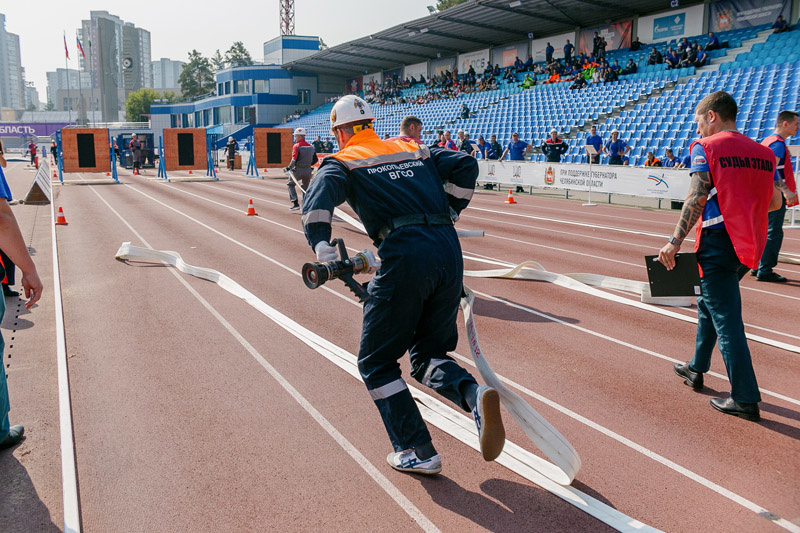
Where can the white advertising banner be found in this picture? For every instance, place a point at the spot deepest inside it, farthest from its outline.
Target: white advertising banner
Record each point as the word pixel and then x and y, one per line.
pixel 420 69
pixel 557 41
pixel 377 77
pixel 477 60
pixel 636 181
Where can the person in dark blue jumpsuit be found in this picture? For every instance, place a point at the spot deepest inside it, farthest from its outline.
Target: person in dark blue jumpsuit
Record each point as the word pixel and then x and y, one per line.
pixel 407 196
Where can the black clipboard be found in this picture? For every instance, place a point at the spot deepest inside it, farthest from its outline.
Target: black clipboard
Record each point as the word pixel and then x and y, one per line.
pixel 683 280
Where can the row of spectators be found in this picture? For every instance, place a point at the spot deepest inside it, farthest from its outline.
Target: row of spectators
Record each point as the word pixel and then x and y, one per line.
pixel 294 115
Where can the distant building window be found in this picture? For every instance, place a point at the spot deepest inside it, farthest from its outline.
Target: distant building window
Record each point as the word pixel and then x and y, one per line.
pixel 304 97
pixel 222 115
pixel 175 121
pixel 227 87
pixel 188 120
pixel 260 86
pixel 198 119
pixel 220 89
pixel 241 86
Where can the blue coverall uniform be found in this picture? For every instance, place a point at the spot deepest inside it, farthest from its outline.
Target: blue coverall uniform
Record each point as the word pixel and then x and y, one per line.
pixel 414 296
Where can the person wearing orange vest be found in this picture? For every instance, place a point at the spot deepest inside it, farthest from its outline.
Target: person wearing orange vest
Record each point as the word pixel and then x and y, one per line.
pixel 13 244
pixel 407 196
pixel 730 193
pixel 784 180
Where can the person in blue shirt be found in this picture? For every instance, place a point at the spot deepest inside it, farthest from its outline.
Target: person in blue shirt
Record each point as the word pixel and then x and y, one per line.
pixel 515 149
pixel 616 149
pixel 528 63
pixel 548 53
pixel 568 48
pixel 713 42
pixel 484 149
pixel 670 161
pixel 672 59
pixel 518 64
pixel 593 139
pixel 701 58
pixel 780 25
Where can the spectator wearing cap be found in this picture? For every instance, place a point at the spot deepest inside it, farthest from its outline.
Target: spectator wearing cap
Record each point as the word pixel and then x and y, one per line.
pixel 568 49
pixel 554 147
pixel 616 149
pixel 670 161
pixel 484 149
pixel 593 139
pixel 780 25
pixel 652 160
pixel 496 148
pixel 516 149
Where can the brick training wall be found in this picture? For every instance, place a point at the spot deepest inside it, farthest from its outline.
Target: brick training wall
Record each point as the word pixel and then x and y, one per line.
pixel 260 141
pixel 69 147
pixel 171 148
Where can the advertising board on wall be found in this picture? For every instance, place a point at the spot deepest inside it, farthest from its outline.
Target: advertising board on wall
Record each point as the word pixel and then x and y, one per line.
pixel 417 70
pixel 617 35
pixel 734 14
pixel 506 54
pixel 538 46
pixel 673 24
pixel 477 60
pixel 41 129
pixel 440 66
pixel 636 181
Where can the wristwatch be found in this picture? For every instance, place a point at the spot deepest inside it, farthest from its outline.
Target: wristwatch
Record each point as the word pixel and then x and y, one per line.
pixel 676 242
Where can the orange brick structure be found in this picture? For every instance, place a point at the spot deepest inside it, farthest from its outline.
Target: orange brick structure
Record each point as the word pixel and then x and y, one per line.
pixel 185 149
pixel 85 150
pixel 273 147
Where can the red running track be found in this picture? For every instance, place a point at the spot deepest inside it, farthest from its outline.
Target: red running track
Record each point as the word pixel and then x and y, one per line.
pixel 180 426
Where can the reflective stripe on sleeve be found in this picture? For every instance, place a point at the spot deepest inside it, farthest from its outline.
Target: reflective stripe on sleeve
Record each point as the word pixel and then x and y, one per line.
pixel 398 157
pixel 458 192
pixel 390 389
pixel 317 215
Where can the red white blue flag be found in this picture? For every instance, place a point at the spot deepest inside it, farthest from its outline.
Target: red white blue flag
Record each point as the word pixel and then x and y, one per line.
pixel 66 50
pixel 80 48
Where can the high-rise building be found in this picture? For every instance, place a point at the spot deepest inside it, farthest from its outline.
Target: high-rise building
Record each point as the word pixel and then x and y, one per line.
pixel 117 59
pixel 64 92
pixel 12 81
pixel 31 96
pixel 166 73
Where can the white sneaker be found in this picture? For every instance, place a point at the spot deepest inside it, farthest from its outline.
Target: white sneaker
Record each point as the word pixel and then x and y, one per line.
pixel 487 417
pixel 407 461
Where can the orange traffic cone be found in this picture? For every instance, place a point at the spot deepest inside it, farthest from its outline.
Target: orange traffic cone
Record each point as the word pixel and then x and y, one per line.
pixel 265 170
pixel 251 210
pixel 108 173
pixel 190 172
pixel 510 199
pixel 61 220
pixel 54 174
pixel 135 171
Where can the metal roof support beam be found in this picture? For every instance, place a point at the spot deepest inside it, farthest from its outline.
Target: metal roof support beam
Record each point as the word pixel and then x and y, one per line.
pixel 480 25
pixel 606 5
pixel 398 52
pixel 407 43
pixel 562 12
pixel 451 36
pixel 528 14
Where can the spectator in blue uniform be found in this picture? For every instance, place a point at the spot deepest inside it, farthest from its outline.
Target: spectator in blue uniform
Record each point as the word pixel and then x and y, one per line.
pixel 670 160
pixel 496 148
pixel 484 149
pixel 713 42
pixel 568 49
pixel 515 149
pixel 593 139
pixel 780 25
pixel 616 149
pixel 13 245
pixel 548 53
pixel 407 196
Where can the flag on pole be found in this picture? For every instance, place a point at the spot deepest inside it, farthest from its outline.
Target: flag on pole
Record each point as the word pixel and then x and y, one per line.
pixel 66 50
pixel 80 48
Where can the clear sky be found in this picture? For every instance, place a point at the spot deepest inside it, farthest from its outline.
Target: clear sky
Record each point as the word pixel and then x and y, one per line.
pixel 176 27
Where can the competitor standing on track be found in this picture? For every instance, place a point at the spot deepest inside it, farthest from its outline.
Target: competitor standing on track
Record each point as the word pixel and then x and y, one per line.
pixel 616 149
pixel 303 156
pixel 732 188
pixel 407 197
pixel 554 147
pixel 784 179
pixel 13 244
pixel 136 151
pixel 230 151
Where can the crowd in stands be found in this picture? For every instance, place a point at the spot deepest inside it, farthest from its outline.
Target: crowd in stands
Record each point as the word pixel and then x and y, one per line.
pixel 294 115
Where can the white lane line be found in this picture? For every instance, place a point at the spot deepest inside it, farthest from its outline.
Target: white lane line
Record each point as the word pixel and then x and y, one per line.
pixel 340 439
pixel 672 465
pixel 779 521
pixel 69 478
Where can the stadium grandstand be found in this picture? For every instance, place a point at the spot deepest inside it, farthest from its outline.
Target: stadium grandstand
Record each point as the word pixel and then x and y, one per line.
pixel 651 108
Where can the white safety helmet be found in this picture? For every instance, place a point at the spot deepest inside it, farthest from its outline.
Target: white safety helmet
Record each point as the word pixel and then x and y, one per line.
pixel 349 109
pixel 230 139
pixel 300 131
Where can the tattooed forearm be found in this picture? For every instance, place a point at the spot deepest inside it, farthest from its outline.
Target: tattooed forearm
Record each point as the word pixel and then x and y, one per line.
pixel 694 204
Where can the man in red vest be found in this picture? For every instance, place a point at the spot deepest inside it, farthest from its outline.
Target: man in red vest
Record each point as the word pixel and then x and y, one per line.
pixel 730 193
pixel 784 180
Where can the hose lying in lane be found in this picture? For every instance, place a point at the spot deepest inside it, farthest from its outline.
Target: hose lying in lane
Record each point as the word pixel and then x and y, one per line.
pixel 554 478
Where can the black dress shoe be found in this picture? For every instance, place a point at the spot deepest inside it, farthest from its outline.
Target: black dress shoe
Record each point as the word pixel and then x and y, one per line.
pixel 771 276
pixel 691 378
pixel 748 411
pixel 754 272
pixel 8 291
pixel 14 436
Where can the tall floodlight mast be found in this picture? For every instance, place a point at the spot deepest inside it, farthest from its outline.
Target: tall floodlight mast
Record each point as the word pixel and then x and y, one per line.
pixel 287 17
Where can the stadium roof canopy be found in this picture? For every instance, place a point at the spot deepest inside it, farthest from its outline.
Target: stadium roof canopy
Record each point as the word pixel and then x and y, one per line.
pixel 473 25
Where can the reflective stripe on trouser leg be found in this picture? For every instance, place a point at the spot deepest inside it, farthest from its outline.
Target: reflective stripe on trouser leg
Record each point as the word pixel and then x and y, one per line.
pixel 4 404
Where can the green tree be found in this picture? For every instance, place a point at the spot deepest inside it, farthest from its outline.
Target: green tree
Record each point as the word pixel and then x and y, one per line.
pixel 441 5
pixel 238 55
pixel 197 77
pixel 139 102
pixel 322 45
pixel 217 61
pixel 49 106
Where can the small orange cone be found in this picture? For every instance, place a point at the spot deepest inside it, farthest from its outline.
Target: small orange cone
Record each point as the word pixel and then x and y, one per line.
pixel 135 171
pixel 108 173
pixel 54 174
pixel 510 199
pixel 61 220
pixel 251 210
pixel 265 170
pixel 190 172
